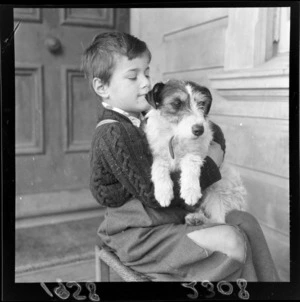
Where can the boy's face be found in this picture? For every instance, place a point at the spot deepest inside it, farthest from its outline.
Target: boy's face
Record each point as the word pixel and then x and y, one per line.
pixel 129 84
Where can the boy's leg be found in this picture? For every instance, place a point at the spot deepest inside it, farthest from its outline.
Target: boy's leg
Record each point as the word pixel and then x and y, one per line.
pixel 248 272
pixel 262 259
pixel 231 241
pixel 221 238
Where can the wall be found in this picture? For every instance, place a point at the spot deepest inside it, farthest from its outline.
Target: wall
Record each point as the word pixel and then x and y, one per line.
pixel 242 55
pixel 184 42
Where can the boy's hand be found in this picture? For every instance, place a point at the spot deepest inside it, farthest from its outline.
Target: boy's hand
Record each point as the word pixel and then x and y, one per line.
pixel 216 153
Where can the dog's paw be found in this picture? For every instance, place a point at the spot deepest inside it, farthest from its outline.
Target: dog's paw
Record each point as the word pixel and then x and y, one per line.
pixel 164 195
pixel 193 219
pixel 164 201
pixel 196 219
pixel 191 195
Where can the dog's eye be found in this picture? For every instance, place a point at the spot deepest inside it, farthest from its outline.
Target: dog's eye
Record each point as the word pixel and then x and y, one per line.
pixel 176 104
pixel 201 105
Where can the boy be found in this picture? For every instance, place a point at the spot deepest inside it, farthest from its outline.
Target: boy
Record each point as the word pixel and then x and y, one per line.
pixel 145 236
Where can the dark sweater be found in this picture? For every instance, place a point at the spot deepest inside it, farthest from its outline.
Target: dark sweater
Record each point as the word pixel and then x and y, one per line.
pixel 121 164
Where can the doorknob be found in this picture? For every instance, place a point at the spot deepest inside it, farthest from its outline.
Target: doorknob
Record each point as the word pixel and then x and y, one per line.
pixel 53 45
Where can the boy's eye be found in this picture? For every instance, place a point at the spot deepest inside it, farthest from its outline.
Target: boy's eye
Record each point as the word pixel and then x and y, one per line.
pixel 132 75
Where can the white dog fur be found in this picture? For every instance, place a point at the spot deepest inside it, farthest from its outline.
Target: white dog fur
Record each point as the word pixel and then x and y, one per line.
pixel 169 133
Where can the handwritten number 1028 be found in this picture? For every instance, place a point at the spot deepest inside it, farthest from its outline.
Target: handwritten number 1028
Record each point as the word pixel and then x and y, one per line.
pixel 64 294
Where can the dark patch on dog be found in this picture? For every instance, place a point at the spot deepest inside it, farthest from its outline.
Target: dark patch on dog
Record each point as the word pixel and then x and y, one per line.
pixel 202 96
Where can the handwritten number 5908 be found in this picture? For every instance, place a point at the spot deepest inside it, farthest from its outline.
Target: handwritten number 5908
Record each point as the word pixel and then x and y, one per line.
pixel 191 286
pixel 221 286
pixel 210 288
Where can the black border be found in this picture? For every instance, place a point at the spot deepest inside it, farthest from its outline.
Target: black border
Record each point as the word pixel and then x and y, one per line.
pixel 166 291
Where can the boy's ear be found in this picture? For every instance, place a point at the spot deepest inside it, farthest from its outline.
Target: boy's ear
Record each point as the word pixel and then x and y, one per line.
pixel 100 88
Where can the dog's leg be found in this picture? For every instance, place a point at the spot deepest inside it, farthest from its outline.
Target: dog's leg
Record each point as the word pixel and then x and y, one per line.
pixel 190 173
pixel 163 184
pixel 196 218
pixel 213 207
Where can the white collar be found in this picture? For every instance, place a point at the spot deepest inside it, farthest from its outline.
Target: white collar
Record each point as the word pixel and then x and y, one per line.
pixel 135 121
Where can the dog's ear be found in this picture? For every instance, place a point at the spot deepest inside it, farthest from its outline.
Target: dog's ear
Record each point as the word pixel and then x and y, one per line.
pixel 208 99
pixel 153 96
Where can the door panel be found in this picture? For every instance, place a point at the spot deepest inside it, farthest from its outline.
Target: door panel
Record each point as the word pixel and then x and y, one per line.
pixel 77 114
pixel 55 108
pixel 29 129
pixel 88 16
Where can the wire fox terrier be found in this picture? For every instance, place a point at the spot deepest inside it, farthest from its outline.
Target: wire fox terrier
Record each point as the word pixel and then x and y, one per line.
pixel 179 134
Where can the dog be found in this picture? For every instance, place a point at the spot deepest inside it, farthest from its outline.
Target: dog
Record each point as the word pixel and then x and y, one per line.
pixel 179 134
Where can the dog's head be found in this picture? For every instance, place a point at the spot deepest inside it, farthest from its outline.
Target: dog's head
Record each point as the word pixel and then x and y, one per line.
pixel 182 102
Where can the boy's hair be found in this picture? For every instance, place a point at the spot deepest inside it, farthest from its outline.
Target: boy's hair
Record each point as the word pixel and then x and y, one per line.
pixel 99 58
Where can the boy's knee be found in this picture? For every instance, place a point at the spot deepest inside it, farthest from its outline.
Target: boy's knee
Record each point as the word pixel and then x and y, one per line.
pixel 235 244
pixel 240 217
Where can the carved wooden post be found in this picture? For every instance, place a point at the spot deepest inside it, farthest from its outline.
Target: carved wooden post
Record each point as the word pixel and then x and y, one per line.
pixel 245 38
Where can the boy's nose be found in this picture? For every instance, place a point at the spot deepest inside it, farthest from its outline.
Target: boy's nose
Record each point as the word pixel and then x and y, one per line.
pixel 146 83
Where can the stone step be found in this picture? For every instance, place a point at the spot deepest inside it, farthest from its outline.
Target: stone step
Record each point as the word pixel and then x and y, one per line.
pixel 273 75
pixel 54 244
pixel 81 271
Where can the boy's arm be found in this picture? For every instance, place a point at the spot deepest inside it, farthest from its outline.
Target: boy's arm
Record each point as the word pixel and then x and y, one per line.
pixel 105 188
pixel 132 174
pixel 210 172
pixel 111 195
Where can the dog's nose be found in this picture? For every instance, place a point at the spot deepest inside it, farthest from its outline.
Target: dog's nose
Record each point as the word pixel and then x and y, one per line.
pixel 197 129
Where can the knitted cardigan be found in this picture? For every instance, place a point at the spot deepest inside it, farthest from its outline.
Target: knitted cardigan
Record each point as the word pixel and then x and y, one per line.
pixel 120 164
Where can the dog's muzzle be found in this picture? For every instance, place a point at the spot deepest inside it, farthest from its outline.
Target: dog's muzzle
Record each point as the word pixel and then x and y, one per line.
pixel 197 129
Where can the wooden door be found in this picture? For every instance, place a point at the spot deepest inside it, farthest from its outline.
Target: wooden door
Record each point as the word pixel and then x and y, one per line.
pixel 55 108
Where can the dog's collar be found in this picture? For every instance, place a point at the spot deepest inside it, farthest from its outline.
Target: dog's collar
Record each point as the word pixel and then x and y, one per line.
pixel 171 150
